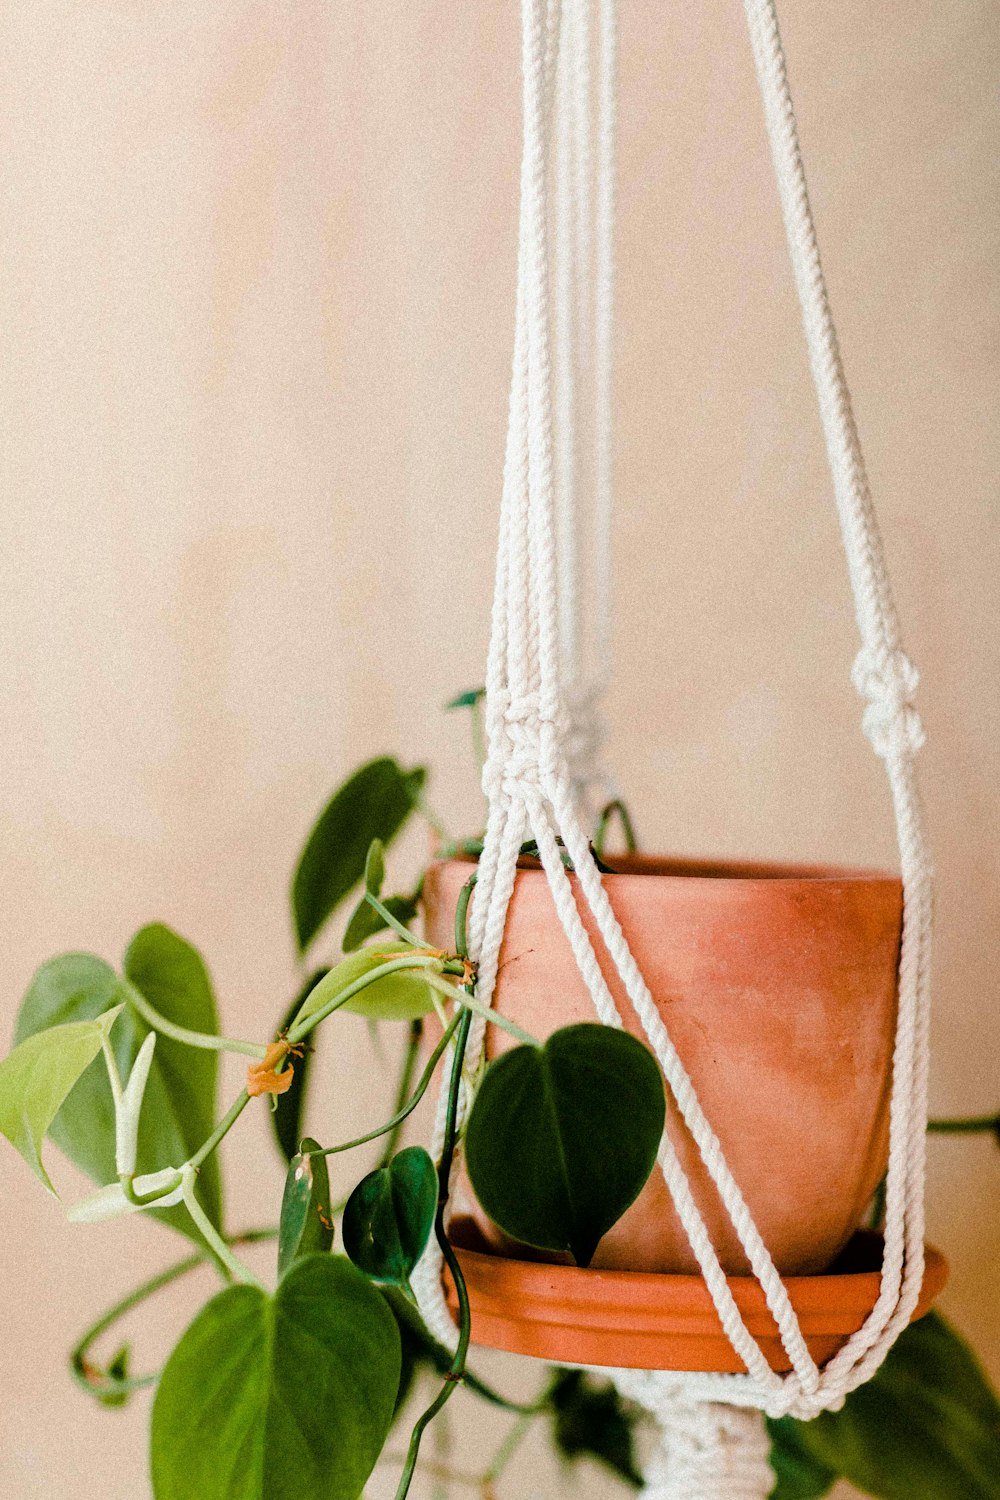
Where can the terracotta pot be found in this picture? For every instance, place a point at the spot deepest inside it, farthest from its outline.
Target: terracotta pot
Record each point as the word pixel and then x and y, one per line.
pixel 641 1320
pixel 778 987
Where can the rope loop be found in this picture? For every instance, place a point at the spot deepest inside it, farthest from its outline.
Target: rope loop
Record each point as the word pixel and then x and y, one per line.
pixel 888 680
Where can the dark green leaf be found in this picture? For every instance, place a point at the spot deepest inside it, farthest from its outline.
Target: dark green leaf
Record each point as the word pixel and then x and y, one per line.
pixel 373 804
pixel 562 1138
pixel 286 1117
pixel 591 1420
pixel 306 1223
pixel 799 1475
pixel 179 1108
pixel 366 922
pixel 389 1216
pixel 287 1397
pixel 468 699
pixel 926 1427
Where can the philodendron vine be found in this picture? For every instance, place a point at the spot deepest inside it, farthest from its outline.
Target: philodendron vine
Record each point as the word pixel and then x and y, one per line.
pixel 293 1384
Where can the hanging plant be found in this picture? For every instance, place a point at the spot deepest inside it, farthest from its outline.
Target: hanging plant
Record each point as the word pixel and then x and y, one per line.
pixel 561 1138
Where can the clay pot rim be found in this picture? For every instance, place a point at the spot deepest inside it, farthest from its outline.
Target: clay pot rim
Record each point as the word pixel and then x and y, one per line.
pixel 714 872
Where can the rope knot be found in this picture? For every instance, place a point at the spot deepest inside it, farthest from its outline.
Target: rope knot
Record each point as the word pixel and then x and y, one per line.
pixel 524 744
pixel 888 681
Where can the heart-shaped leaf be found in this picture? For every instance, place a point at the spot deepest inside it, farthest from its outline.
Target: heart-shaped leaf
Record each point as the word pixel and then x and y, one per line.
pixel 400 996
pixel 36 1078
pixel 925 1427
pixel 287 1397
pixel 179 1108
pixel 389 1216
pixel 306 1223
pixel 286 1116
pixel 798 1474
pixel 373 804
pixel 562 1138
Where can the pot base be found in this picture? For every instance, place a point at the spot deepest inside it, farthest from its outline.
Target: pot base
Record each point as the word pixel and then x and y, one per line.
pixel 651 1321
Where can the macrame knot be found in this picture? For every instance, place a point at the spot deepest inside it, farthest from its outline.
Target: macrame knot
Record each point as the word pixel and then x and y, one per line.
pixel 708 1451
pixel 889 682
pixel 524 744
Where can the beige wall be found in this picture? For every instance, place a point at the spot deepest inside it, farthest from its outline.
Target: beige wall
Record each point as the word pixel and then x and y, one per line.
pixel 256 323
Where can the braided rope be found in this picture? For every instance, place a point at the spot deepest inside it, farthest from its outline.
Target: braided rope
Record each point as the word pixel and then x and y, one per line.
pixel 543 735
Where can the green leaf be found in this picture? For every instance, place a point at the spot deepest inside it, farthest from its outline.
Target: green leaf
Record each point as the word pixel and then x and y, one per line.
pixel 306 1223
pixel 373 804
pixel 468 699
pixel 799 1475
pixel 925 1427
pixel 389 1216
pixel 286 1116
pixel 172 976
pixel 375 867
pixel 179 1107
pixel 562 1138
pixel 366 921
pixel 401 996
pixel 36 1078
pixel 591 1420
pixel 287 1397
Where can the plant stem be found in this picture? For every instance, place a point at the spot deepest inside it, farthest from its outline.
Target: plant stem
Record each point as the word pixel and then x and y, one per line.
pixel 515 1437
pixel 391 966
pixel 457 1367
pixel 431 817
pixel 603 821
pixel 410 1058
pixel 222 1129
pixel 213 1238
pixel 98 1383
pixel 407 1108
pixel 462 916
pixel 177 1033
pixel 394 922
pixel 973 1125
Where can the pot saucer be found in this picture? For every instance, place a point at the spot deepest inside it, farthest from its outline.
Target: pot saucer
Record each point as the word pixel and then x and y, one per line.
pixel 657 1321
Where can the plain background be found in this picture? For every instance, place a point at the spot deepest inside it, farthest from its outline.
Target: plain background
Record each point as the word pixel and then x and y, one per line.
pixel 256 311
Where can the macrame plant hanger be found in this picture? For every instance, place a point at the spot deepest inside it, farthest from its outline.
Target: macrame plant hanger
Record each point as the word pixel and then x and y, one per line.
pixel 548 665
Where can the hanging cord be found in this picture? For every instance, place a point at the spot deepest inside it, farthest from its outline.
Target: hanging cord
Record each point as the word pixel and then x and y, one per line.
pixel 530 781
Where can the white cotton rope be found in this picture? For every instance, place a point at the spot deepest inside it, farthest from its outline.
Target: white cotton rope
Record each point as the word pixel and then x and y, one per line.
pixel 548 664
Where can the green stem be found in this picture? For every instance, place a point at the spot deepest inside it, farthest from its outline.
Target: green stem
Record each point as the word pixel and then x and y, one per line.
pixel 603 822
pixel 515 1437
pixel 394 922
pixel 457 1367
pixel 213 1238
pixel 407 1108
pixel 431 817
pixel 463 998
pixel 973 1125
pixel 410 1059
pixel 222 1129
pixel 393 965
pixel 177 1033
pixel 97 1382
pixel 462 916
